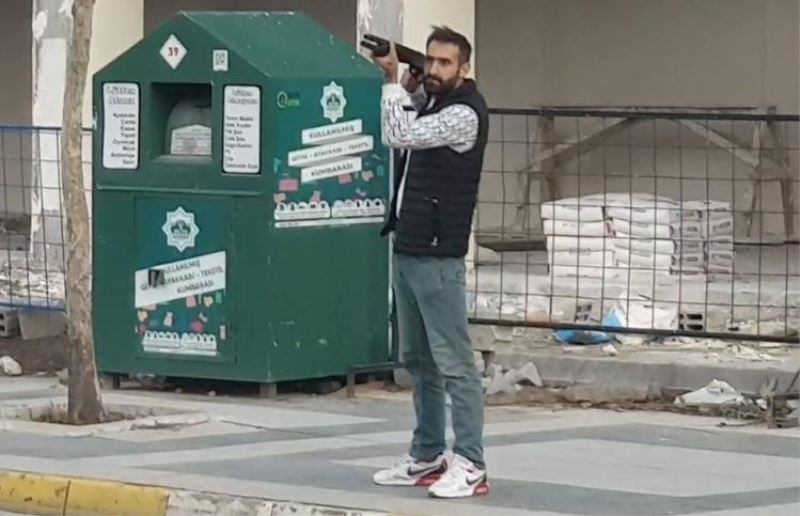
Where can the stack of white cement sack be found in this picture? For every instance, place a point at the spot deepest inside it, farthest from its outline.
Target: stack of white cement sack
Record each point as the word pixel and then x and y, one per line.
pixel 637 234
pixel 577 232
pixel 654 234
pixel 716 230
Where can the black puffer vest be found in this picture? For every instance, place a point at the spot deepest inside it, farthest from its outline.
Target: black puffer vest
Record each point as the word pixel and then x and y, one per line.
pixel 441 188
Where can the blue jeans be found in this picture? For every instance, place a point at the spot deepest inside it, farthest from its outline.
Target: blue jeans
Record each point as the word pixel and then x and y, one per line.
pixel 432 327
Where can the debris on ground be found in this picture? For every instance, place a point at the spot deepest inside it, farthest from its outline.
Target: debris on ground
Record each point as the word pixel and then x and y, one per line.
pixel 717 399
pixel 511 381
pixel 637 311
pixel 751 354
pixel 493 370
pixel 46 355
pixel 588 396
pixel 610 350
pixel 716 393
pixel 778 326
pixel 10 367
pixel 527 374
pixel 501 384
pixel 503 333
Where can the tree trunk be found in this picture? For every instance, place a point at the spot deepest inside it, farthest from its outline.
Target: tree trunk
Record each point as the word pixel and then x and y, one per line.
pixel 85 405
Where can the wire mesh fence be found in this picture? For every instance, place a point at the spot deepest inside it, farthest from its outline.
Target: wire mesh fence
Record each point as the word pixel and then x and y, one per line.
pixel 656 222
pixel 32 223
pixel 641 222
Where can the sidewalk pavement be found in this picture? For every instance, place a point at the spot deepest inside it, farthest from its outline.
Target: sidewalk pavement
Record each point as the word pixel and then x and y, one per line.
pixel 315 455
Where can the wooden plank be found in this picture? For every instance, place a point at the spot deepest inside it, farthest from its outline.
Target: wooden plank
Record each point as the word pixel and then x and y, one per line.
pixel 725 142
pixel 543 140
pixel 755 185
pixel 583 143
pixel 787 181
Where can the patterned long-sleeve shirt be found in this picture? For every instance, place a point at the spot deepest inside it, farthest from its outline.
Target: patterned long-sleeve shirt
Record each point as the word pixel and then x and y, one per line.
pixel 455 126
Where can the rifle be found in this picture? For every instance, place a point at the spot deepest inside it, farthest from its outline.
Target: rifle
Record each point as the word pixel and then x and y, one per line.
pixel 380 47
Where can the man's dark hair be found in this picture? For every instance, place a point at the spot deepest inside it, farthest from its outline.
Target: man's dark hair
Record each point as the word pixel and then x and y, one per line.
pixel 444 34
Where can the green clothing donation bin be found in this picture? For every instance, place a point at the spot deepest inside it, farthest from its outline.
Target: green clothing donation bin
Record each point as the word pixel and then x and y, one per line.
pixel 239 188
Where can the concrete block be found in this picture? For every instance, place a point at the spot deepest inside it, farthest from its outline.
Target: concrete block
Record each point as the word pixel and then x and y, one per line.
pixel 9 323
pixel 40 324
pixel 403 378
pixel 501 384
pixel 494 370
pixel 527 374
pixel 480 364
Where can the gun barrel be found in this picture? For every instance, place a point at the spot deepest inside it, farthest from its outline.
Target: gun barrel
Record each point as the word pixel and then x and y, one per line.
pixel 380 47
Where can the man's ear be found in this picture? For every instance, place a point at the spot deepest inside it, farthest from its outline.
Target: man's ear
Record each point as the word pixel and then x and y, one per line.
pixel 463 70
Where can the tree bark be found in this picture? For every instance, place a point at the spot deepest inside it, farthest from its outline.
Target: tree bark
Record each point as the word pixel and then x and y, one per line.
pixel 85 405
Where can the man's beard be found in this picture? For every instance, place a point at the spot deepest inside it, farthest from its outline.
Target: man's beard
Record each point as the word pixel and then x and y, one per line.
pixel 438 87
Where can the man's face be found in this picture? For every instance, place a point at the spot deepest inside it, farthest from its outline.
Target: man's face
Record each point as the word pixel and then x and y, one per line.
pixel 443 69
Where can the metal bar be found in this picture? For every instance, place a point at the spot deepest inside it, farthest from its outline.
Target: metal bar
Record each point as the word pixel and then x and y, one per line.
pixel 190 191
pixel 650 331
pixel 632 113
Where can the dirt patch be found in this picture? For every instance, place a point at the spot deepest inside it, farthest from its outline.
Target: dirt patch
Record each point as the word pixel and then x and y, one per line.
pixel 59 416
pixel 117 417
pixel 648 399
pixel 46 355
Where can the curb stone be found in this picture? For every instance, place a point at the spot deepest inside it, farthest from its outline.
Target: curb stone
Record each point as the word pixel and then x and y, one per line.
pixel 31 493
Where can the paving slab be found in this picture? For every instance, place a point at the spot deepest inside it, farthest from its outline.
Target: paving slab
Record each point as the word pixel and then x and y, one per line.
pixel 541 461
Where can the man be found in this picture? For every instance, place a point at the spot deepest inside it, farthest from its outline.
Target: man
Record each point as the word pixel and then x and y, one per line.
pixel 441 140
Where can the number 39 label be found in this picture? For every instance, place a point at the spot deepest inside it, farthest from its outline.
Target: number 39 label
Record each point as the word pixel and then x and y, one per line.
pixel 173 51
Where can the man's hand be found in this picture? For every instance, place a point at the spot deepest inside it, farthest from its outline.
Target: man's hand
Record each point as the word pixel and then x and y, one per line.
pixel 389 64
pixel 410 81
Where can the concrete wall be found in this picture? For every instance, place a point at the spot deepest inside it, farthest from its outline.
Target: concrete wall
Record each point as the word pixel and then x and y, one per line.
pixel 420 15
pixel 638 53
pixel 15 106
pixel 15 61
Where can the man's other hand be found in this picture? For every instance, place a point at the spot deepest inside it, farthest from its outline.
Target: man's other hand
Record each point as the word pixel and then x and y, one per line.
pixel 410 81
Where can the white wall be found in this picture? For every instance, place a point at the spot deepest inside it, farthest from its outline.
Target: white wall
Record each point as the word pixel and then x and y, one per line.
pixel 684 53
pixel 117 25
pixel 420 15
pixel 640 52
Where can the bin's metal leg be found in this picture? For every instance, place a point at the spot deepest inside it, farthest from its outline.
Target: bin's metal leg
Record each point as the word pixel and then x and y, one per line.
pixel 110 381
pixel 268 390
pixel 351 384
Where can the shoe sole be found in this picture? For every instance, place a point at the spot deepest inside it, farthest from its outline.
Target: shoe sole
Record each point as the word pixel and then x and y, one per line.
pixel 482 489
pixel 426 481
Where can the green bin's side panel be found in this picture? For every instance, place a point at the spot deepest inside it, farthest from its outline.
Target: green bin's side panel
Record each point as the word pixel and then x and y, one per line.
pixel 328 274
pixel 306 293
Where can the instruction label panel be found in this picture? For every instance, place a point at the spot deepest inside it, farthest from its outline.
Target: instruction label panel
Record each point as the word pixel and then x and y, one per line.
pixel 198 275
pixel 242 130
pixel 121 125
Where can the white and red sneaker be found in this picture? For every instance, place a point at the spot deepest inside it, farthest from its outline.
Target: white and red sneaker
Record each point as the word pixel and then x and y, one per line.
pixel 461 479
pixel 412 472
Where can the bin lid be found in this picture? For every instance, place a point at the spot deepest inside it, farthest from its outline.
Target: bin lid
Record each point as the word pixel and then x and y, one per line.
pixel 284 44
